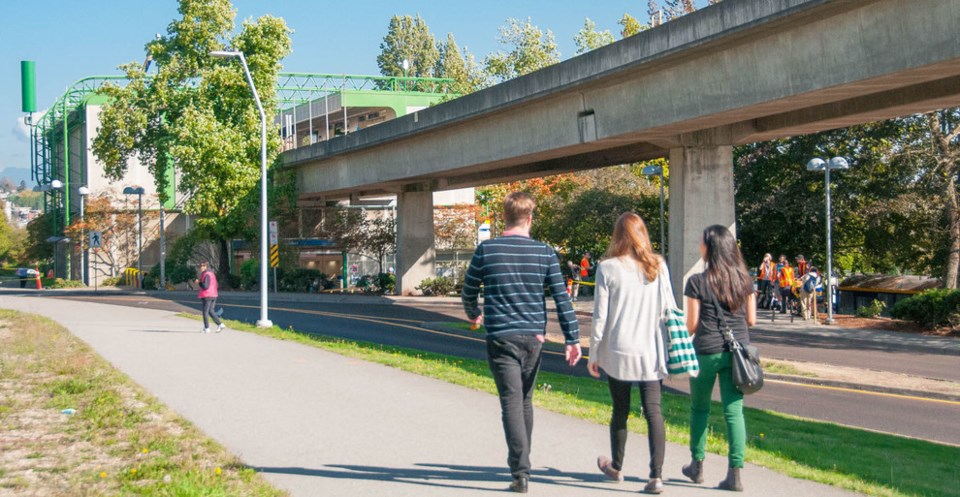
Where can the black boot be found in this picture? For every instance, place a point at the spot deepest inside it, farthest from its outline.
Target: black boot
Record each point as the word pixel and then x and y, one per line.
pixel 732 482
pixel 519 484
pixel 694 471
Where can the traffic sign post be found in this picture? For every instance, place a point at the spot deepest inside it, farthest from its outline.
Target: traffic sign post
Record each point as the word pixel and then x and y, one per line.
pixel 95 239
pixel 274 261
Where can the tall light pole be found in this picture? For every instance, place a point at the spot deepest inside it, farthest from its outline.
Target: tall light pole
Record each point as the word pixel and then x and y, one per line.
pixel 54 186
pixel 658 170
pixel 264 322
pixel 138 191
pixel 818 164
pixel 84 271
pixel 406 66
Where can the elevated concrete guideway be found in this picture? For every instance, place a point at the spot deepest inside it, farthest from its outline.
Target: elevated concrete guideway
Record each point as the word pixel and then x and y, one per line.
pixel 734 73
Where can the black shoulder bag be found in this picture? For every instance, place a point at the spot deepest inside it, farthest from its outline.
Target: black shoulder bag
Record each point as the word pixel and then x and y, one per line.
pixel 747 372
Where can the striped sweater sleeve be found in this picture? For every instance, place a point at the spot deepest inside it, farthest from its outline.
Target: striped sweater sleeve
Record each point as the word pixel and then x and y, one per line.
pixel 565 312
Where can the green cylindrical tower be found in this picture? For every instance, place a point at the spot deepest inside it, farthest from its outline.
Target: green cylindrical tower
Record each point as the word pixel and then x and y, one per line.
pixel 28 85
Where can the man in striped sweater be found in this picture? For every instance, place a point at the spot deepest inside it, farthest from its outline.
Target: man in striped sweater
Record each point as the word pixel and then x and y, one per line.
pixel 513 270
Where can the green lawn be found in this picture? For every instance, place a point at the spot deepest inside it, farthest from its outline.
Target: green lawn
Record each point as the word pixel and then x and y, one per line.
pixel 120 439
pixel 849 458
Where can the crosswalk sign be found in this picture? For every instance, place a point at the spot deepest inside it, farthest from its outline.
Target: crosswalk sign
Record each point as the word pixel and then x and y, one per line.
pixel 96 239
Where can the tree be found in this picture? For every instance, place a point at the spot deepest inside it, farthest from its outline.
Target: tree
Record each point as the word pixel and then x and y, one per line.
pixel 455 226
pixel 588 38
pixel 7 185
pixel 459 66
pixel 583 219
pixel 197 114
pixel 878 223
pixel 118 228
pixel 529 50
pixel 12 242
pixel 408 38
pixel 932 148
pixel 629 26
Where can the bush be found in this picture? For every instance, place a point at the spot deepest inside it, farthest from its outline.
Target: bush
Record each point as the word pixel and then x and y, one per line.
pixel 931 308
pixel 387 282
pixel 437 287
pixel 298 280
pixel 112 281
pixel 873 310
pixel 250 274
pixel 62 283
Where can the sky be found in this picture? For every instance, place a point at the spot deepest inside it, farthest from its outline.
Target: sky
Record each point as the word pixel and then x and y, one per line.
pixel 70 39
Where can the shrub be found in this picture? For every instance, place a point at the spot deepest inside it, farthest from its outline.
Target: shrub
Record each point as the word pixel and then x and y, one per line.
pixel 873 310
pixel 62 283
pixel 112 281
pixel 298 280
pixel 387 282
pixel 437 287
pixel 250 274
pixel 931 308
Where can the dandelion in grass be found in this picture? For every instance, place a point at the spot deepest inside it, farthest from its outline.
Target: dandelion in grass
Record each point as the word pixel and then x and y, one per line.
pixel 103 474
pixel 218 471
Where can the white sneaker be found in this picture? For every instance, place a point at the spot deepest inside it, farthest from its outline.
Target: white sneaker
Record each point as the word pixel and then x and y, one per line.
pixel 205 330
pixel 220 327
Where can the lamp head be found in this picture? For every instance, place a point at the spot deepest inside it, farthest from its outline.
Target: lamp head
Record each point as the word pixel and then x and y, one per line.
pixel 816 164
pixel 56 184
pixel 839 163
pixel 83 190
pixel 406 64
pixel 224 54
pixel 651 170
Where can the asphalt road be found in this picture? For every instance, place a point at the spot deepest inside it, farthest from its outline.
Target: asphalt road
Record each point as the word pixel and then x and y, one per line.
pixel 402 326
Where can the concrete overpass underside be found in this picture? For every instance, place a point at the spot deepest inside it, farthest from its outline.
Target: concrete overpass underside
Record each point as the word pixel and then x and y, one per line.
pixel 738 72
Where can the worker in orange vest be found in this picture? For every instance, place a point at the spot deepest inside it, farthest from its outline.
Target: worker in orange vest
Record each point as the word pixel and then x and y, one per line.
pixel 785 276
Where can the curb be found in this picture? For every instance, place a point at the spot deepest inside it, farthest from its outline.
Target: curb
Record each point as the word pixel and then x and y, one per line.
pixel 866 388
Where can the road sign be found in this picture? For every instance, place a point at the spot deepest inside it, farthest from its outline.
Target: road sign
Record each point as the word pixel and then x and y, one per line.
pixel 96 239
pixel 273 233
pixel 354 268
pixel 274 255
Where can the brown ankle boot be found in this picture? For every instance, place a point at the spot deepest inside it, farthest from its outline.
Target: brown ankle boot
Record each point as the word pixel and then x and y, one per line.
pixel 732 482
pixel 694 471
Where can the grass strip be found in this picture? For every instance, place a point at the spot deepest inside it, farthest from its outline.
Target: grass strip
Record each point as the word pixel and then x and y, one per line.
pixel 119 441
pixel 850 458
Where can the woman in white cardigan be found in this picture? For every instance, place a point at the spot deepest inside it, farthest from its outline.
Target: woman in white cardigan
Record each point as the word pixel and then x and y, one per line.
pixel 627 341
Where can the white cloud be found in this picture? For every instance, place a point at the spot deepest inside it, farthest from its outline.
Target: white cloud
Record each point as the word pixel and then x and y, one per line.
pixel 21 131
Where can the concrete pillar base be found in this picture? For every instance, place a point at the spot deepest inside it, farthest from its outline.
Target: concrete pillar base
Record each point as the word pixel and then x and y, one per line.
pixel 416 256
pixel 701 194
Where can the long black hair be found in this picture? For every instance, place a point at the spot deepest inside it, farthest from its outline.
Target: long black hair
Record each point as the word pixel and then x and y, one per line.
pixel 726 272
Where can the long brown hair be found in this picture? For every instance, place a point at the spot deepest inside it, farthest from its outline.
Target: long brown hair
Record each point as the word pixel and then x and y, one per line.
pixel 727 274
pixel 630 238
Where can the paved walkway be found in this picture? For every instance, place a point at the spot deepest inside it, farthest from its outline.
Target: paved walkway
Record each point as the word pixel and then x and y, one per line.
pixel 316 423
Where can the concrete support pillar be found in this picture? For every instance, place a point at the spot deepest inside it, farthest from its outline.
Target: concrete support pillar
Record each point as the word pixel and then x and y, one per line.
pixel 415 251
pixel 701 194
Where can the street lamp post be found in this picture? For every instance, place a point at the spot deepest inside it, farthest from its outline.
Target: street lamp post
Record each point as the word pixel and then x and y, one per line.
pixel 54 186
pixel 818 164
pixel 138 191
pixel 406 66
pixel 658 170
pixel 85 259
pixel 264 322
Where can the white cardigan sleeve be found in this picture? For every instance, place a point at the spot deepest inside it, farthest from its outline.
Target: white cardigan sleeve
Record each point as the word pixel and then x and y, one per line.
pixel 600 305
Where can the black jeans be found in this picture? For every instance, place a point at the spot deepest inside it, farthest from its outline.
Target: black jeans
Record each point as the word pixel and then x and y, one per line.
pixel 209 306
pixel 514 361
pixel 650 404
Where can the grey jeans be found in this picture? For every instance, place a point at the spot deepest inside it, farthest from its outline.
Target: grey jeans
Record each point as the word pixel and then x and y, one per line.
pixel 209 306
pixel 514 361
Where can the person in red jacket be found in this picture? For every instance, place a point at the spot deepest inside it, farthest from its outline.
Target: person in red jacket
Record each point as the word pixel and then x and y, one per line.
pixel 208 296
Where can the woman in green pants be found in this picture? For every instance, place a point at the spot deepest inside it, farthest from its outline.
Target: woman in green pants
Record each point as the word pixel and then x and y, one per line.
pixel 720 297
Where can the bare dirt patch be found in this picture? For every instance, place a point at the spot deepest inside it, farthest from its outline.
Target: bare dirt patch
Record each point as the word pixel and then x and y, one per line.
pixel 888 324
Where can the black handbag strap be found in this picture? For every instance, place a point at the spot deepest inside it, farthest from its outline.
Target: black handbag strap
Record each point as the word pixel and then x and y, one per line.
pixel 725 330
